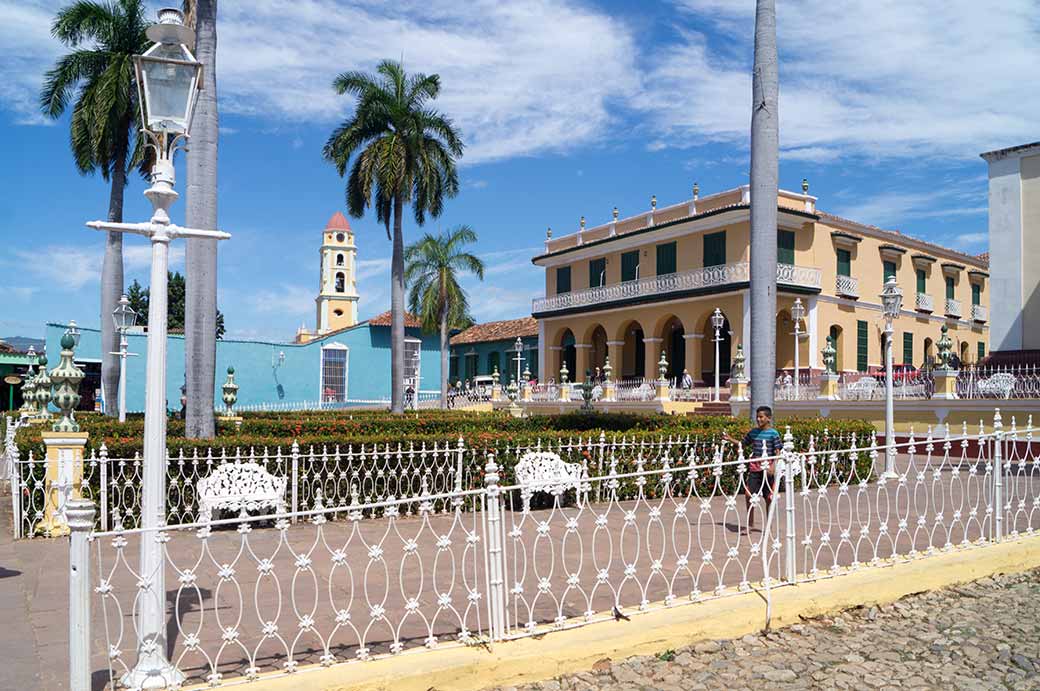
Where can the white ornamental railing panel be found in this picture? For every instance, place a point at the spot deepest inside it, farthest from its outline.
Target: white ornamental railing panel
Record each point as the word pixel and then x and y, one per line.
pixel 953 307
pixel 847 286
pixel 705 277
pixel 979 313
pixel 925 302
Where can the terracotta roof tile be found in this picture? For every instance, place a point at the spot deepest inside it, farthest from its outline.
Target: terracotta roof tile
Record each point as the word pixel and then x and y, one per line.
pixel 410 320
pixel 497 331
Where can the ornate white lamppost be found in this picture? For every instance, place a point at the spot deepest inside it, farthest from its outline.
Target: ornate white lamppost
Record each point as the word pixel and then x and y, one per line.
pixel 797 314
pixel 717 321
pixel 124 317
pixel 891 303
pixel 168 81
pixel 519 345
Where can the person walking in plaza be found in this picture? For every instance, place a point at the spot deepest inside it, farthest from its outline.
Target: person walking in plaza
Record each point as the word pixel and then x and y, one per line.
pixel 762 444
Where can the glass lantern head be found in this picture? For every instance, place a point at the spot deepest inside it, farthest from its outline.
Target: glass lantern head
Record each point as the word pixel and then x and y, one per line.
pixel 124 315
pixel 891 299
pixel 797 310
pixel 73 335
pixel 168 76
pixel 717 319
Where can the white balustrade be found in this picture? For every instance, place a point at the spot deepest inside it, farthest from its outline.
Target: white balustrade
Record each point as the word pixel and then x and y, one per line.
pixel 953 307
pixel 925 302
pixel 847 286
pixel 979 313
pixel 696 279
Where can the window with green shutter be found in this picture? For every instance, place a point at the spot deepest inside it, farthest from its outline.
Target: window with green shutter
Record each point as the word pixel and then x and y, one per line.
pixel 908 348
pixel 597 272
pixel 862 339
pixel 922 281
pixel 715 249
pixel 785 247
pixel 666 259
pixel 889 270
pixel 976 294
pixel 844 262
pixel 949 288
pixel 630 265
pixel 982 350
pixel 563 280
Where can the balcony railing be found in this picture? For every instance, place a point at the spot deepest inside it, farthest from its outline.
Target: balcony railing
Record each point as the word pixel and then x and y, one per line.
pixel 953 307
pixel 847 286
pixel 706 277
pixel 925 302
pixel 979 313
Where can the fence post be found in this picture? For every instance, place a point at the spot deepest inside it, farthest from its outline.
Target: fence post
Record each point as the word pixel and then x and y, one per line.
pixel 103 460
pixel 599 462
pixel 998 477
pixel 789 536
pixel 460 450
pixel 295 478
pixel 496 567
pixel 80 516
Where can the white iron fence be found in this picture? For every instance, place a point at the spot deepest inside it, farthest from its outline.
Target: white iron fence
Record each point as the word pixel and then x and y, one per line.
pixel 675 525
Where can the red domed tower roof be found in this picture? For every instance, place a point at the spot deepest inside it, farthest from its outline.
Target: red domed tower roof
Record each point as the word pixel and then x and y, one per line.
pixel 338 222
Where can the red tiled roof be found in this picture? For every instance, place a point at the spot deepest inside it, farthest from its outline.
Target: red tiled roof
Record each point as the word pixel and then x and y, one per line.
pixel 497 331
pixel 410 320
pixel 984 257
pixel 338 222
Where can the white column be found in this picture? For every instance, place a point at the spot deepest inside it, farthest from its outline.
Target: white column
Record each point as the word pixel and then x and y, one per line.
pixel 542 347
pixel 814 331
pixel 80 516
pixel 746 337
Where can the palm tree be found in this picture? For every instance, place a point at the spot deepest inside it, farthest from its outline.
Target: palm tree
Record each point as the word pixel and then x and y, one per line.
pixel 435 296
pixel 200 260
pixel 765 142
pixel 98 76
pixel 403 151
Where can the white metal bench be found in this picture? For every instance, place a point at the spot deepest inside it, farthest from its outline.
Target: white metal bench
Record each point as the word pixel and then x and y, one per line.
pixel 544 471
pixel 240 486
pixel 1000 384
pixel 863 388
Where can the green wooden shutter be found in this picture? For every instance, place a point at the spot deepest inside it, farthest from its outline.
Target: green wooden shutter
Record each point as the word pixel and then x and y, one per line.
pixel 563 280
pixel 982 350
pixel 862 339
pixel 666 259
pixel 715 249
pixel 890 270
pixel 597 272
pixel 630 265
pixel 976 294
pixel 908 348
pixel 493 363
pixel 844 263
pixel 949 288
pixel 785 247
pixel 922 281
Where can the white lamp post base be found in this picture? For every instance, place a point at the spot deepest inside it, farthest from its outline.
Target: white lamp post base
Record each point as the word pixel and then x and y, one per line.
pixel 153 672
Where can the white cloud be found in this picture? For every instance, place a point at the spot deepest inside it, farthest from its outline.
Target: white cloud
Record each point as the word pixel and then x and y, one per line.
pixel 970 242
pixel 872 78
pixel 372 268
pixel 286 300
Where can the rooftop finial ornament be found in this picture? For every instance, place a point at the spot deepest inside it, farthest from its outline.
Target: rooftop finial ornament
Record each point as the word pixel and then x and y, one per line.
pixel 582 223
pixel 615 213
pixel 653 201
pixel 805 186
pixel 696 191
pixel 548 233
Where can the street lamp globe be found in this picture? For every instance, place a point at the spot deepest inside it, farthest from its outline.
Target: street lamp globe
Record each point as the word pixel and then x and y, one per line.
pixel 717 319
pixel 797 311
pixel 891 298
pixel 73 331
pixel 124 315
pixel 168 76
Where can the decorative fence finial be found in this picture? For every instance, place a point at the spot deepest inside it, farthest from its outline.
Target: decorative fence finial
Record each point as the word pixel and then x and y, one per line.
pixel 738 363
pixel 65 379
pixel 607 369
pixel 495 376
pixel 945 345
pixel 662 367
pixel 563 372
pixel 829 357
pixel 230 391
pixel 43 389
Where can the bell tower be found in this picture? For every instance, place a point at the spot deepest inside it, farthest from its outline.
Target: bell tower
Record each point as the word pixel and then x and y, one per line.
pixel 337 292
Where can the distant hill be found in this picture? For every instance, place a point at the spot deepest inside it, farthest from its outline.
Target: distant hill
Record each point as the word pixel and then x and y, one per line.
pixel 22 343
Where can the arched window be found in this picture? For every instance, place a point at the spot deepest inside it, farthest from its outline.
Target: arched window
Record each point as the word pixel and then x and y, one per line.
pixel 339 282
pixel 339 260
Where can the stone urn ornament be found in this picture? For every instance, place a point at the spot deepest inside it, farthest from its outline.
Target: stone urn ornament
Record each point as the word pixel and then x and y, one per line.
pixel 737 369
pixel 43 390
pixel 830 357
pixel 229 393
pixel 945 349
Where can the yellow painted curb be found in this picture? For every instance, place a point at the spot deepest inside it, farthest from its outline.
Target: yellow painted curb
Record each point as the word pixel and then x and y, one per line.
pixel 574 650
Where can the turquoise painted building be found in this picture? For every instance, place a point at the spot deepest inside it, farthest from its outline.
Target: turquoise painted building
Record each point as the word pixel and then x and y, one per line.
pixel 350 365
pixel 478 350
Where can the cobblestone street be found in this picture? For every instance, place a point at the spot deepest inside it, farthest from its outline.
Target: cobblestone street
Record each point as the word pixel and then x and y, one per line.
pixel 982 635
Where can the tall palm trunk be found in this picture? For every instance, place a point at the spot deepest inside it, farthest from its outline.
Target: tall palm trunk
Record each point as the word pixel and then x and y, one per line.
pixel 444 349
pixel 397 312
pixel 765 143
pixel 112 280
pixel 200 309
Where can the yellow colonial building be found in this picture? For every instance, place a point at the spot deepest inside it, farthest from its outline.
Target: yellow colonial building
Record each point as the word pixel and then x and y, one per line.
pixel 634 286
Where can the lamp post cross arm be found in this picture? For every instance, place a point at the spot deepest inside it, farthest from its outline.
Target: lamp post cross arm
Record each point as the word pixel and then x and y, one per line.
pixel 150 229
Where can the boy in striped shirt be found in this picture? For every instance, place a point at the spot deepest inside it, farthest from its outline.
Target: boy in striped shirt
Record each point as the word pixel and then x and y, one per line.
pixel 762 440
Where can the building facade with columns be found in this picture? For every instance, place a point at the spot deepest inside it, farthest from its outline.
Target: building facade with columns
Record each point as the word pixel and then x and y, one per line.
pixel 639 285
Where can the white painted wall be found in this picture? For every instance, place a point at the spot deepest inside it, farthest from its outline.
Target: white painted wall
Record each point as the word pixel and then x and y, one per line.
pixel 1005 253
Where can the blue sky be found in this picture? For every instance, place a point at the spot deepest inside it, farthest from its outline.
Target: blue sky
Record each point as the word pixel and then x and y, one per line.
pixel 568 107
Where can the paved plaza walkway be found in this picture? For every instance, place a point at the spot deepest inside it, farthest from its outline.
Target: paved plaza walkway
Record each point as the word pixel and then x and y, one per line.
pixel 981 635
